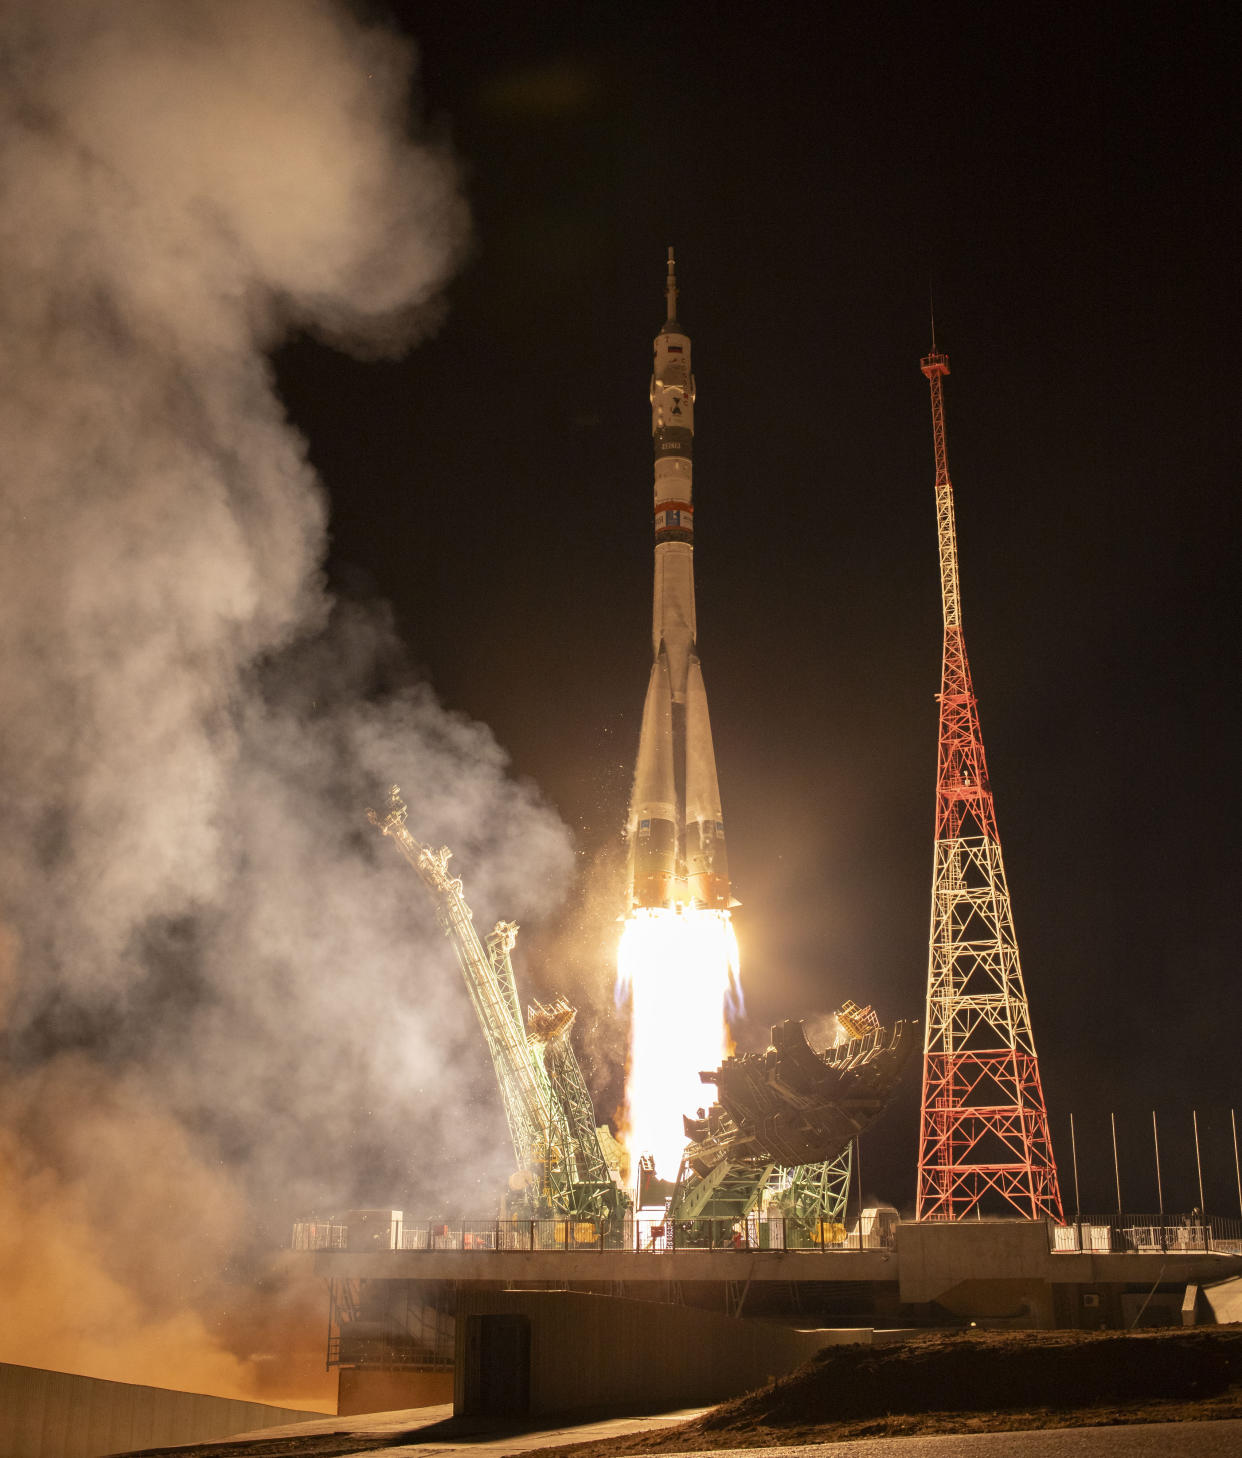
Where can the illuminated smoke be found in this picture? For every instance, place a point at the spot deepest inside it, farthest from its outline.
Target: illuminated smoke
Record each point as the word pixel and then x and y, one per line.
pixel 222 1001
pixel 824 1030
pixel 679 970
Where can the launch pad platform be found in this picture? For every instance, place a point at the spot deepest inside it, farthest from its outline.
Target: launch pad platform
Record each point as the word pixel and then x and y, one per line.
pixel 926 1262
pixel 752 1310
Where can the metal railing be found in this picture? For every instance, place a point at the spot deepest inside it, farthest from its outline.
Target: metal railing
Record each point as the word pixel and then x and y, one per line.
pixel 1102 1234
pixel 639 1236
pixel 320 1235
pixel 1147 1234
pixel 385 1349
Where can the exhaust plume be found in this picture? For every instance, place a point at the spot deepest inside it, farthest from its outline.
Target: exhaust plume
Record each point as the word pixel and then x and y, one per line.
pixel 221 1002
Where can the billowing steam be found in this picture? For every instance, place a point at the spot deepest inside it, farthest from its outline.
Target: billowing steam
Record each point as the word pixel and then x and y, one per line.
pixel 223 1000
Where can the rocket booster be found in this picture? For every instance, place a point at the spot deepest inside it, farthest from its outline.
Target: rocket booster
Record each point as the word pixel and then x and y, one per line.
pixel 676 830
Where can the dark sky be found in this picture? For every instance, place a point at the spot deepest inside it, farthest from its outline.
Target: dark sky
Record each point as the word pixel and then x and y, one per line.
pixel 1065 179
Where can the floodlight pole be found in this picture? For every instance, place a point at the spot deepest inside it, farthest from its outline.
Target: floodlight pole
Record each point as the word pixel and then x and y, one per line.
pixel 1112 1119
pixel 1074 1152
pixel 1155 1135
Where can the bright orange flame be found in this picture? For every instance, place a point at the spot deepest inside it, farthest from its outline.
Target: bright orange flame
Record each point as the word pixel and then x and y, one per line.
pixel 680 969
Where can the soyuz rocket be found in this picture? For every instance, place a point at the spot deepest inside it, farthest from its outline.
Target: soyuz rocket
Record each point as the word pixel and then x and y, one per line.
pixel 676 830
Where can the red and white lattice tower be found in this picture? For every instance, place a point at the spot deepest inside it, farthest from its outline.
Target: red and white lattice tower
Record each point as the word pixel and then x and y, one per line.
pixel 984 1123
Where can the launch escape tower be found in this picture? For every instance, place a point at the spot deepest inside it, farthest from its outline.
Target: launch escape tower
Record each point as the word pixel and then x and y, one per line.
pixel 984 1126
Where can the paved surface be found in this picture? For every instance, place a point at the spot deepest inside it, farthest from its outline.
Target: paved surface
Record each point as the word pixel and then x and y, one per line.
pixel 466 1436
pixel 1140 1440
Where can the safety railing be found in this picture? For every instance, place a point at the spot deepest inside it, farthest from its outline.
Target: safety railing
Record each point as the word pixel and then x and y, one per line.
pixel 348 1348
pixel 635 1235
pixel 1147 1234
pixel 320 1235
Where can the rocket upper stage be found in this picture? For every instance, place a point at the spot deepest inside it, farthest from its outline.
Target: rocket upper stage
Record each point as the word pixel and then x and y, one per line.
pixel 676 830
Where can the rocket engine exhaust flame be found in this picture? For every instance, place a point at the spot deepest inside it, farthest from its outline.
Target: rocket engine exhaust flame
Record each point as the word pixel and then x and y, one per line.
pixel 679 970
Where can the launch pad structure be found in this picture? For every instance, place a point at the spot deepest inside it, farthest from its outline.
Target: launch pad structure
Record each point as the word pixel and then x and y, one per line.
pixel 539 1317
pixel 783 1121
pixel 570 1300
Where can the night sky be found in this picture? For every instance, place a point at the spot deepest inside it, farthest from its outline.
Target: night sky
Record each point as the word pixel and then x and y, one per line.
pixel 1066 185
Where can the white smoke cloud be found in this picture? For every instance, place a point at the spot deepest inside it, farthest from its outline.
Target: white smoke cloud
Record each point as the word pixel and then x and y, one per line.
pixel 220 990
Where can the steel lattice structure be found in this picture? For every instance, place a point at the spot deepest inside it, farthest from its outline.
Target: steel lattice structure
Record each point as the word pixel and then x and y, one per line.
pixel 546 1102
pixel 984 1122
pixel 814 1196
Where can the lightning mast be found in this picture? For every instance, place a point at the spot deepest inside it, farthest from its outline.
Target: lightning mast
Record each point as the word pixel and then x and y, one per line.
pixel 984 1122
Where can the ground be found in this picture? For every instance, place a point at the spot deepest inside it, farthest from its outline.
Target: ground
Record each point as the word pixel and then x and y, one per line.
pixel 942 1382
pixel 968 1382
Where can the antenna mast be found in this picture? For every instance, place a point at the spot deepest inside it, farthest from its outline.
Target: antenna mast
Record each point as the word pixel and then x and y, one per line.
pixel 984 1123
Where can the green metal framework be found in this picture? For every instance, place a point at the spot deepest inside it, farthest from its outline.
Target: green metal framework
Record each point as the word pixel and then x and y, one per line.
pixel 593 1192
pixel 812 1197
pixel 546 1103
pixel 777 1110
pixel 729 1191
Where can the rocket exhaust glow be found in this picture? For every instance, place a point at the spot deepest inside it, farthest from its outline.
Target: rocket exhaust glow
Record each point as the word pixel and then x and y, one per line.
pixel 678 956
pixel 679 969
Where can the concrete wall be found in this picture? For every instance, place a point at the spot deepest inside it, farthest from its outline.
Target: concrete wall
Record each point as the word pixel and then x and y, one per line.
pixel 1223 1300
pixel 58 1415
pixel 936 1256
pixel 1002 1272
pixel 602 1353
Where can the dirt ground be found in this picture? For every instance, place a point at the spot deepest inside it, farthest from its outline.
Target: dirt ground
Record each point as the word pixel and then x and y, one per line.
pixel 965 1383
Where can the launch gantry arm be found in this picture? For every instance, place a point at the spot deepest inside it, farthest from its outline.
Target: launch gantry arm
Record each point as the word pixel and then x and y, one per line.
pixel 812 1197
pixel 790 1106
pixel 547 1106
pixel 540 1139
pixel 549 1027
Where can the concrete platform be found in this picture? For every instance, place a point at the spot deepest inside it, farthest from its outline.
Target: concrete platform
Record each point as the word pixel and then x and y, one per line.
pixel 928 1263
